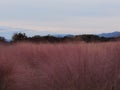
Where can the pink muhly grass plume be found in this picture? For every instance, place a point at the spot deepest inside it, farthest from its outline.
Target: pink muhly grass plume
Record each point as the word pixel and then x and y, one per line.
pixel 65 66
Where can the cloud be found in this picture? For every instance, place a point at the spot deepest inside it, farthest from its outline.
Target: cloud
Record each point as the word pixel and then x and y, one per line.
pixel 70 25
pixel 57 9
pixel 62 16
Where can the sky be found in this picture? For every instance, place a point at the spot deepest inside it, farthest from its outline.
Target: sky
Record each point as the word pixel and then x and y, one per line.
pixel 60 16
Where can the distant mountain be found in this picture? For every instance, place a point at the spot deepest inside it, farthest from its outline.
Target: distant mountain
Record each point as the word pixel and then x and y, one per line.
pixel 113 34
pixel 63 35
pixel 8 32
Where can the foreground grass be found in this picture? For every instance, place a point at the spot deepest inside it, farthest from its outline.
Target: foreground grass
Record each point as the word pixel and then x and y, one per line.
pixel 81 66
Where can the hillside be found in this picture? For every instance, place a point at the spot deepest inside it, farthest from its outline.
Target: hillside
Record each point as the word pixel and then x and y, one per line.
pixel 108 35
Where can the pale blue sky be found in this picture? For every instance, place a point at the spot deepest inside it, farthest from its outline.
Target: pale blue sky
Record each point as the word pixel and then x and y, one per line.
pixel 61 16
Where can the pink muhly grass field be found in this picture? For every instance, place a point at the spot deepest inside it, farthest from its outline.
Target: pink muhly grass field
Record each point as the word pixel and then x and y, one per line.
pixel 66 66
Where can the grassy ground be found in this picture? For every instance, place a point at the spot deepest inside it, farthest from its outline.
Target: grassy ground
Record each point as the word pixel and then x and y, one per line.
pixel 69 66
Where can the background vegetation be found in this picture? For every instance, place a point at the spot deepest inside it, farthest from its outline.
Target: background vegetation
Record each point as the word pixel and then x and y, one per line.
pixel 22 37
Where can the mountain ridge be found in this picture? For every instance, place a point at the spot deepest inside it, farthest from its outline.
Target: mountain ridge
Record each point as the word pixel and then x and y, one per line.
pixel 108 35
pixel 8 32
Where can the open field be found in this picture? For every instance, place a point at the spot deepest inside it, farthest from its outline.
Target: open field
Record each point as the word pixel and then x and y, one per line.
pixel 69 66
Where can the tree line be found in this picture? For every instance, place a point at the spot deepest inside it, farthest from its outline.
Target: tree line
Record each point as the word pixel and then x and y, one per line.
pixel 20 37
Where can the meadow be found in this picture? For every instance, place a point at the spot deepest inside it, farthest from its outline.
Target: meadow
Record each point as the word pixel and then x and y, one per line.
pixel 63 66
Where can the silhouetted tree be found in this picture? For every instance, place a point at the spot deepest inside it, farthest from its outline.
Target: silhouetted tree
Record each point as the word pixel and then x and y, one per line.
pixel 36 38
pixel 91 38
pixel 50 38
pixel 53 39
pixel 2 39
pixel 19 37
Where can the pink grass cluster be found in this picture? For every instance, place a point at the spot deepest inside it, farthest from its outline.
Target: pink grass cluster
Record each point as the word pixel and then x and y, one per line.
pixel 69 66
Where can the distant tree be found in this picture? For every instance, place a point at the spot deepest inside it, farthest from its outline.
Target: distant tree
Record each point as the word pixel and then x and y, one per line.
pixel 50 38
pixel 2 39
pixel 19 37
pixel 36 38
pixel 88 38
